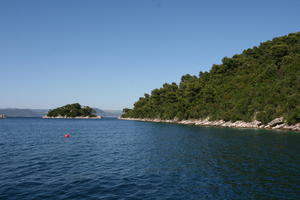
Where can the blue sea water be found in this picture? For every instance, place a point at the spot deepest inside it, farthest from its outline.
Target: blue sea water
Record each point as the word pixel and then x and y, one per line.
pixel 115 159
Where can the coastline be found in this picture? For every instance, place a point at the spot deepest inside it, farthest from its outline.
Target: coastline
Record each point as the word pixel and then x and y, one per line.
pixel 64 117
pixel 276 124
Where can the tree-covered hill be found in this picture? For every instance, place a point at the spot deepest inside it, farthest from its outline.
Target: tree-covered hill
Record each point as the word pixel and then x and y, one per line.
pixel 72 110
pixel 261 83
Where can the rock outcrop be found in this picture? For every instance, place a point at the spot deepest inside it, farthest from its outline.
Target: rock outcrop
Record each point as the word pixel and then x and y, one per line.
pixel 2 116
pixel 276 121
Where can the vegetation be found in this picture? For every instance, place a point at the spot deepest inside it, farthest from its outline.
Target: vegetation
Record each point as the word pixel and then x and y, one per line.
pixel 72 110
pixel 261 83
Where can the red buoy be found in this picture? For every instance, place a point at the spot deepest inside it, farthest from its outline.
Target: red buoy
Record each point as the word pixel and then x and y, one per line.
pixel 67 135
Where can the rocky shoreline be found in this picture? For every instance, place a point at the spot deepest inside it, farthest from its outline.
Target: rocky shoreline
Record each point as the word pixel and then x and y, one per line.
pixel 64 117
pixel 276 124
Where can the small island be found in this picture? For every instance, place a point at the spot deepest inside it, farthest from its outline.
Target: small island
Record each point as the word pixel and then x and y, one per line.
pixel 73 111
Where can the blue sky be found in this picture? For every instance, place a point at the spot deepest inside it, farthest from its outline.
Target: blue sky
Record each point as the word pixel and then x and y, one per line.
pixel 106 54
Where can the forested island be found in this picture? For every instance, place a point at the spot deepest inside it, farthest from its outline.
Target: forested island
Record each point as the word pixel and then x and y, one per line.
pixel 259 88
pixel 73 111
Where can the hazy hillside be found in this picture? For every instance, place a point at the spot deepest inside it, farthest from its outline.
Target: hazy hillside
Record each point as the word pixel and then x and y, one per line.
pixel 16 112
pixel 108 113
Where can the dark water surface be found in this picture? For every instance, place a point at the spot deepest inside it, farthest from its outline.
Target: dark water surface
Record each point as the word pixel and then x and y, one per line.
pixel 114 159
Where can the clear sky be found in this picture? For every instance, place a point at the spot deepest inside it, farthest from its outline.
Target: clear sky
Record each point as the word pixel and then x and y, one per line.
pixel 106 54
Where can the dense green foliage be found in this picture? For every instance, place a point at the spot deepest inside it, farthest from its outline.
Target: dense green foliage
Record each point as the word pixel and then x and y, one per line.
pixel 72 110
pixel 261 83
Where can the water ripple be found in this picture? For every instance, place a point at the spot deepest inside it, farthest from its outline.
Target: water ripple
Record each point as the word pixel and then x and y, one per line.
pixel 113 159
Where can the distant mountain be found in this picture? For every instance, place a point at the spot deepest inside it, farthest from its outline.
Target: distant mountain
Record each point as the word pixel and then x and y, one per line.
pixel 18 112
pixel 108 113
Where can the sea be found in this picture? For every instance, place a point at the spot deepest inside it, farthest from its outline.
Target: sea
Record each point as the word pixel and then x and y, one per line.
pixel 118 159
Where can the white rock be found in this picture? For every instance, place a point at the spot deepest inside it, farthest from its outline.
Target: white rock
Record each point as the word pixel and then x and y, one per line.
pixel 276 122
